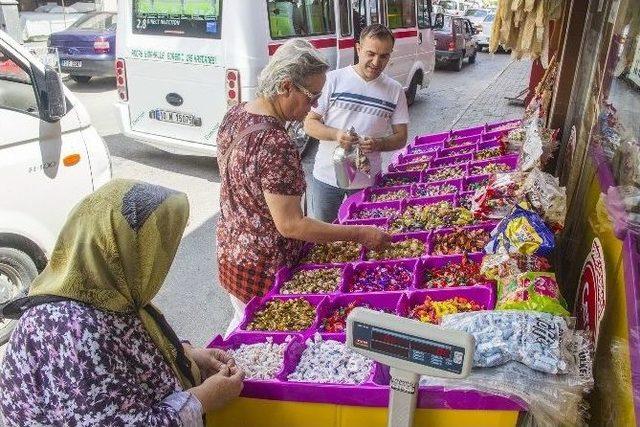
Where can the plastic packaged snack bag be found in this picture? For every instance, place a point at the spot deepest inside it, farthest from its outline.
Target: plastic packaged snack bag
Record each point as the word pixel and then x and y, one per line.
pixel 542 341
pixel 522 232
pixel 536 291
pixel 497 199
pixel 547 198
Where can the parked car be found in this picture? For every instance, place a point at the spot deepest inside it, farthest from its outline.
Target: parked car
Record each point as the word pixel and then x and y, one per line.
pixel 455 40
pixel 87 48
pixel 51 157
pixel 484 35
pixel 476 16
pixel 452 7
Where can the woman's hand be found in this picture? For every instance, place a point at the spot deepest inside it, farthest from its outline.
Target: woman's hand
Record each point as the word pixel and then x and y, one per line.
pixel 219 389
pixel 372 237
pixel 209 360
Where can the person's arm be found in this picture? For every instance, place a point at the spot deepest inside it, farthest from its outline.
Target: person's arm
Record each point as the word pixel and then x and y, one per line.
pixel 315 127
pixel 291 223
pixel 392 142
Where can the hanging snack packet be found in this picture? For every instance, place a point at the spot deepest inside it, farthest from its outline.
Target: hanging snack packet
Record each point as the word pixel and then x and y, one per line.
pixel 498 198
pixel 535 291
pixel 522 232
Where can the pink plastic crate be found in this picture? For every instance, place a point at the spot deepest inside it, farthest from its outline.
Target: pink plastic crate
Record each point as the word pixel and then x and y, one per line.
pixel 255 305
pixel 436 262
pixel 350 275
pixel 506 125
pixel 455 151
pixel 440 186
pixel 423 149
pixel 369 192
pixel 482 295
pixel 460 141
pixel 429 174
pixel 461 159
pixel 285 274
pixel 410 167
pixel 432 138
pixel 472 131
pixel 510 161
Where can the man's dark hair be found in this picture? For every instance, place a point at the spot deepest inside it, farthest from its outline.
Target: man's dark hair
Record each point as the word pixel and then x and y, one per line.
pixel 377 31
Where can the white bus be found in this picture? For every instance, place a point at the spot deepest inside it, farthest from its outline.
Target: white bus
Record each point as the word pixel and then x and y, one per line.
pixel 182 63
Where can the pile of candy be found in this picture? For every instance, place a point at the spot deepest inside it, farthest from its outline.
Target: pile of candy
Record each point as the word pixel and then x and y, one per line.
pixel 330 362
pixel 445 174
pixel 423 158
pixel 370 213
pixel 466 201
pixel 435 190
pixel 284 315
pixel 260 361
pixel 408 248
pixel 478 185
pixel 460 242
pixel 427 149
pixel 460 150
pixel 389 196
pixel 452 161
pixel 381 278
pixel 437 215
pixel 316 281
pixel 490 169
pixel 336 322
pixel 389 181
pixel 333 252
pixel 433 311
pixel 467 273
pixel 415 167
pixel 489 153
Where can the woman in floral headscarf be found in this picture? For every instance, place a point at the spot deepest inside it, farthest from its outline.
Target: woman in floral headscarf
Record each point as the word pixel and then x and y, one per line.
pixel 90 348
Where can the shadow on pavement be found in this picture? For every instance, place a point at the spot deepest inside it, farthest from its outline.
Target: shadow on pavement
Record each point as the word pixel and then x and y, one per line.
pixel 195 166
pixel 191 299
pixel 95 85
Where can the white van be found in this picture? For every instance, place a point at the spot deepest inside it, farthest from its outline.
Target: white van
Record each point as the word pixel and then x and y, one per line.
pixel 180 65
pixel 50 158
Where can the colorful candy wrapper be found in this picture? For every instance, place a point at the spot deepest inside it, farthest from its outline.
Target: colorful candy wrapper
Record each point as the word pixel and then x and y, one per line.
pixel 522 232
pixel 535 291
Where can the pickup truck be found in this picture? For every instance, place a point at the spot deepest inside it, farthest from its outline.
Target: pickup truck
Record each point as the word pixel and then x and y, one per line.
pixel 455 40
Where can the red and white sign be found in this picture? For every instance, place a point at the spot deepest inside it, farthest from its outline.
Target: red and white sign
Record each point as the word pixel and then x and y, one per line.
pixel 591 298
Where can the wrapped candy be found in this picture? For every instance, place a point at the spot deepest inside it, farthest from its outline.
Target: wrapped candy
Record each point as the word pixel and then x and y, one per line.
pixel 336 322
pixel 333 252
pixel 437 215
pixel 432 311
pixel 284 315
pixel 522 231
pixel 320 280
pixel 260 361
pixel 408 248
pixel 381 278
pixel 453 274
pixel 460 241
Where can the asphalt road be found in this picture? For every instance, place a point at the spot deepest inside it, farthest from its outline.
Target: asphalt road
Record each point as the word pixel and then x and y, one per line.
pixel 191 298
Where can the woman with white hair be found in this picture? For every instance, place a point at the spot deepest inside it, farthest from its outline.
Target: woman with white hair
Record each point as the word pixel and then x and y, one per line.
pixel 262 226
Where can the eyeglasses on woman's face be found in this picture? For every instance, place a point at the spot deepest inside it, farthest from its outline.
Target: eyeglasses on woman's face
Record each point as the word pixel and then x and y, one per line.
pixel 311 97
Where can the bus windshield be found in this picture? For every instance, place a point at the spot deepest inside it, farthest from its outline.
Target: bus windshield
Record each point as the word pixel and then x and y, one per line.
pixel 186 18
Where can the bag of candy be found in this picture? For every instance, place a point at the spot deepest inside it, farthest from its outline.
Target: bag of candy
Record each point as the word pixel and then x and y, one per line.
pixel 535 291
pixel 498 198
pixel 546 197
pixel 523 231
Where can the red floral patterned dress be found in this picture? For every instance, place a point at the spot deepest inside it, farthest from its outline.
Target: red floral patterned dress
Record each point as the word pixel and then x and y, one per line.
pixel 250 248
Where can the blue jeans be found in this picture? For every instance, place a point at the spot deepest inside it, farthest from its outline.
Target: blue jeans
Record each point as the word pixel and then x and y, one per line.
pixel 325 200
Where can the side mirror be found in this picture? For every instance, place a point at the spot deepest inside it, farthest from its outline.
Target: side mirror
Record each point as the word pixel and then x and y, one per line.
pixel 439 22
pixel 54 101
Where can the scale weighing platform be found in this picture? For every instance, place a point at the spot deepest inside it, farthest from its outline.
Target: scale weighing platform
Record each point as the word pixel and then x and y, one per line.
pixel 411 349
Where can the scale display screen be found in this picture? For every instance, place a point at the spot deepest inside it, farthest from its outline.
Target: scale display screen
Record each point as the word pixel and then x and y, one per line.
pixel 408 347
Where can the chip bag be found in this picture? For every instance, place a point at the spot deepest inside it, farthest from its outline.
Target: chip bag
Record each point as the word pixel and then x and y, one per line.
pixel 523 231
pixel 536 291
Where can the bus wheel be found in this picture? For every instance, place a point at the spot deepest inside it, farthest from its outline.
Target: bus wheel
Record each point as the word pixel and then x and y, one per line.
pixel 413 89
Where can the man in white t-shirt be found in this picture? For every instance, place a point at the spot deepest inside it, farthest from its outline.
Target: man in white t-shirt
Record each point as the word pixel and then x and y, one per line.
pixel 362 97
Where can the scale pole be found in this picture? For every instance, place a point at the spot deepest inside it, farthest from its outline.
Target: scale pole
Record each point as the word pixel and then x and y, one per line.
pixel 403 396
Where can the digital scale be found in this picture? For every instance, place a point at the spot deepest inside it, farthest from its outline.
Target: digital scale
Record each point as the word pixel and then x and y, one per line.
pixel 411 348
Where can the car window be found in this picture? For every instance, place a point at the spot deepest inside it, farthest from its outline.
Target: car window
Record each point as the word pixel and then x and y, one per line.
pixel 16 87
pixel 477 13
pixel 457 26
pixel 448 5
pixel 98 21
pixel 489 18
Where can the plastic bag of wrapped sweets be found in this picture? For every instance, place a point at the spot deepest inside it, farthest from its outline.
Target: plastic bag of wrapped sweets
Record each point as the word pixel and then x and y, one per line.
pixel 545 195
pixel 536 291
pixel 499 197
pixel 505 266
pixel 523 231
pixel 542 341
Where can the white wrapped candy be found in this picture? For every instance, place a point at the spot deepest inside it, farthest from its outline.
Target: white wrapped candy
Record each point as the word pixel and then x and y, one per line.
pixel 260 361
pixel 330 362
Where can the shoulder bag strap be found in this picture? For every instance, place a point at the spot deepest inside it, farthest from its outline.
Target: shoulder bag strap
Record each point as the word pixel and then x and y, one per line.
pixel 224 160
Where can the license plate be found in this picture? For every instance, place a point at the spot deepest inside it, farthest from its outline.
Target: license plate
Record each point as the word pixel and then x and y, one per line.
pixel 71 64
pixel 174 117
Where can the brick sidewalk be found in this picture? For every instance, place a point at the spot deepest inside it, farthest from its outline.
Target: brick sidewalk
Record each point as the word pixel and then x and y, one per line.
pixel 490 105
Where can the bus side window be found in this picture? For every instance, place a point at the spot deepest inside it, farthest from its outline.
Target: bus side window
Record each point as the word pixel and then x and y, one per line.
pixel 290 18
pixel 424 14
pixel 373 12
pixel 401 13
pixel 345 17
